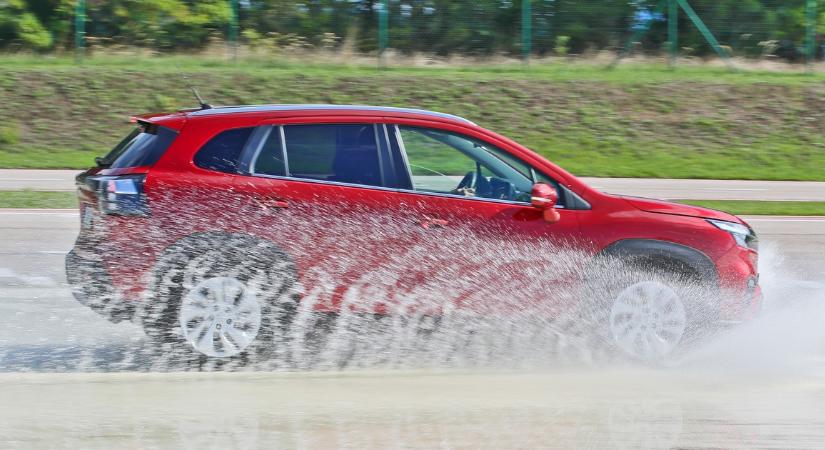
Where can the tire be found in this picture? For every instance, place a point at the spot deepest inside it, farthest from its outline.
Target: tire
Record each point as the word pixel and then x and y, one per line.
pixel 645 311
pixel 220 297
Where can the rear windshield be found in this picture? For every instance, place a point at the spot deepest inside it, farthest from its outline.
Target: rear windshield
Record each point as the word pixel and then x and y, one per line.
pixel 142 147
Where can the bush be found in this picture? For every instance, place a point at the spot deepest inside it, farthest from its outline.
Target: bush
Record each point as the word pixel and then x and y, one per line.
pixel 33 34
pixel 9 134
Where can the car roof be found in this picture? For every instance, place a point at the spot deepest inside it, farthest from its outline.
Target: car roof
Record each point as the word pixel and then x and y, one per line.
pixel 282 108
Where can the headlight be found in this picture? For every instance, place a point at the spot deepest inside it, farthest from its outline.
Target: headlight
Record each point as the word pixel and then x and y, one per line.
pixel 743 235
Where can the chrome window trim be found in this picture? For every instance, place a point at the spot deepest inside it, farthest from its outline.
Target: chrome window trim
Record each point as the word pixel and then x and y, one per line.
pixel 403 151
pixel 260 145
pixel 283 150
pixel 379 153
pixel 405 191
pixel 387 151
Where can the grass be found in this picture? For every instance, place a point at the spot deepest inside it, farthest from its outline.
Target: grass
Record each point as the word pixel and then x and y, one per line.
pixel 766 208
pixel 634 121
pixel 37 199
pixel 549 71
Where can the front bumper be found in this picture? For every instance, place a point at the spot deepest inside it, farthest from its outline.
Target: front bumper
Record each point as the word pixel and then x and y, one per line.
pixel 739 282
pixel 92 286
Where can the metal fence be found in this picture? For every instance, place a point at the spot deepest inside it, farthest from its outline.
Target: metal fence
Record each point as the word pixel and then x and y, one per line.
pixel 525 28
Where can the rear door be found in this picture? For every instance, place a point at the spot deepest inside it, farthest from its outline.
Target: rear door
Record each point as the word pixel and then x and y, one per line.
pixel 326 193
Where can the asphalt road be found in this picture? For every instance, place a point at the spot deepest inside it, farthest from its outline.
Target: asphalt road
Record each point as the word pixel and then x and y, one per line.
pixel 63 180
pixel 601 409
pixel 760 385
pixel 37 180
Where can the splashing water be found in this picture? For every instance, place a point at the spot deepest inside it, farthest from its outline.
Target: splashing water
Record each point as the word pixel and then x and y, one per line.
pixel 467 298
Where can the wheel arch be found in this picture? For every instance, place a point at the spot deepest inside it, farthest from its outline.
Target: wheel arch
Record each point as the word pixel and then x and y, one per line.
pixel 664 252
pixel 183 247
pixel 201 237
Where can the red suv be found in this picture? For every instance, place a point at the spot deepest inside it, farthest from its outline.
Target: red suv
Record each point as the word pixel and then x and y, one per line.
pixel 217 228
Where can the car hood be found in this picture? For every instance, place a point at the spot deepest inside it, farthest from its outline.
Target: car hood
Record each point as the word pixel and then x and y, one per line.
pixel 663 207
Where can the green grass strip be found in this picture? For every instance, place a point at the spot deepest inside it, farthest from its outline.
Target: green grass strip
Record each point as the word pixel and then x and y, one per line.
pixel 37 199
pixel 754 207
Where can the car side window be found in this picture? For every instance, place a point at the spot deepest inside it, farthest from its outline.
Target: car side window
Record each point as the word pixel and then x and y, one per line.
pixel 344 153
pixel 270 159
pixel 449 163
pixel 223 152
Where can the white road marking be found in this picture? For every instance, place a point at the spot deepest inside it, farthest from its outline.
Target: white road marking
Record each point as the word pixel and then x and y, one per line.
pixel 39 212
pixel 777 219
pixel 27 279
pixel 31 179
pixel 730 189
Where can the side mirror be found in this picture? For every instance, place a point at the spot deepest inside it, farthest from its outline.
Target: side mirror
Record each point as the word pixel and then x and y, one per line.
pixel 544 198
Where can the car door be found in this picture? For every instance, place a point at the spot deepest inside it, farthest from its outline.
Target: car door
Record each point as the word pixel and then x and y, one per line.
pixel 484 240
pixel 326 194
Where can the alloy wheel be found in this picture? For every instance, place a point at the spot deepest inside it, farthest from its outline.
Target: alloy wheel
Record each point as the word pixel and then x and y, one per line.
pixel 220 317
pixel 648 320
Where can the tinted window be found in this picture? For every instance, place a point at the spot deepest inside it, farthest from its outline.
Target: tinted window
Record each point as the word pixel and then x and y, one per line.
pixel 270 159
pixel 450 163
pixel 145 147
pixel 120 147
pixel 223 152
pixel 345 153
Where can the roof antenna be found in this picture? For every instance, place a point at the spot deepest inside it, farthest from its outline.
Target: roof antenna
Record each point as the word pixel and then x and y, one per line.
pixel 194 90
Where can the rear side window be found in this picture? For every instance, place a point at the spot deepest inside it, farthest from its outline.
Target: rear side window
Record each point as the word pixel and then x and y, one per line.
pixel 143 147
pixel 270 160
pixel 223 152
pixel 346 153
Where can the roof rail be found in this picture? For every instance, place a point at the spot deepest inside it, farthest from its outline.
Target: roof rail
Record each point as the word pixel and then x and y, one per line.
pixel 277 108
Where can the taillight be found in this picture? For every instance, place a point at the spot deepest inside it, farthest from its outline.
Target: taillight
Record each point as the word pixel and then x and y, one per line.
pixel 122 195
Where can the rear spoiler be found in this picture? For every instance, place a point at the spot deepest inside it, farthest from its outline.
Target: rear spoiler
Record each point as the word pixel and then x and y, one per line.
pixel 174 120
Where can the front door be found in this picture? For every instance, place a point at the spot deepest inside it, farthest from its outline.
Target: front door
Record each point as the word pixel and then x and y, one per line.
pixel 485 245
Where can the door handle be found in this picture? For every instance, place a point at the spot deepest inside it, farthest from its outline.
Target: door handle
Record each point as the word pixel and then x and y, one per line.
pixel 433 222
pixel 272 203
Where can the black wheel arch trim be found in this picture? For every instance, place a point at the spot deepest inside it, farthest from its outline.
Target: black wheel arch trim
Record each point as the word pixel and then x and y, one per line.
pixel 217 236
pixel 653 248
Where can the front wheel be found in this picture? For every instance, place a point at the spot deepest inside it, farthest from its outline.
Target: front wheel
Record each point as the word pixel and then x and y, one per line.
pixel 646 313
pixel 648 319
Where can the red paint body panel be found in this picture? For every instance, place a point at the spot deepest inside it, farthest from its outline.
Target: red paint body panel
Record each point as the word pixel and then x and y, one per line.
pixel 661 207
pixel 322 225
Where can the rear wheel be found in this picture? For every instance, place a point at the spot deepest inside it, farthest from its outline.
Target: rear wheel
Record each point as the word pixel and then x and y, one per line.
pixel 222 297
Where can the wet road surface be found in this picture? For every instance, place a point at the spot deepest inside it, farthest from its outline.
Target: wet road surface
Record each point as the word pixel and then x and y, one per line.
pixel 760 385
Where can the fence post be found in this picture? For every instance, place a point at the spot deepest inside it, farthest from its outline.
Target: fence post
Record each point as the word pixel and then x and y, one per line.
pixel 810 31
pixel 706 33
pixel 79 30
pixel 233 29
pixel 383 31
pixel 673 32
pixel 526 30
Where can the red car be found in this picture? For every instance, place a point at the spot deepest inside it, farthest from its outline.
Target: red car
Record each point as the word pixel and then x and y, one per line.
pixel 216 228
